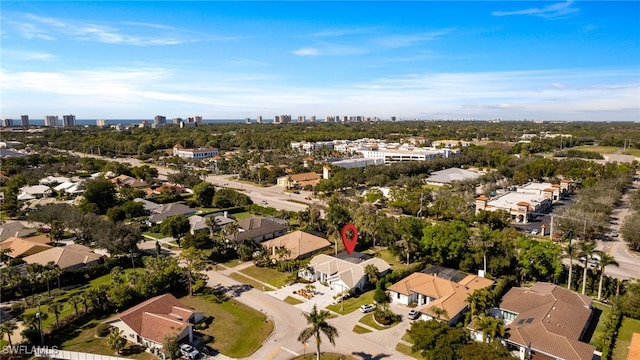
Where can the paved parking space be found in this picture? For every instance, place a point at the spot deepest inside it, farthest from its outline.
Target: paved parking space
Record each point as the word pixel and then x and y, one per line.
pixel 322 295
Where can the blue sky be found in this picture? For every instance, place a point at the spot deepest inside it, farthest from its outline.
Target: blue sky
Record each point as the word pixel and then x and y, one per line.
pixel 565 60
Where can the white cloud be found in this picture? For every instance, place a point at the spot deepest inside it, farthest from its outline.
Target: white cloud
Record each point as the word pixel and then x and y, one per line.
pixel 307 52
pixel 406 40
pixel 557 10
pixel 20 55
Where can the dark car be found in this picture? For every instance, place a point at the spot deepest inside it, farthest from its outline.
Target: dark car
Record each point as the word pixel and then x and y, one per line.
pixel 208 350
pixel 296 192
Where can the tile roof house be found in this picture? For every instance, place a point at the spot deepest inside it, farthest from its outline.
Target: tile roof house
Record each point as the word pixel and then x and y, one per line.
pixel 21 247
pixel 68 257
pixel 344 272
pixel 546 321
pixel 259 229
pixel 300 245
pixel 199 223
pixel 149 322
pixel 299 180
pixel 125 180
pixel 165 211
pixel 429 291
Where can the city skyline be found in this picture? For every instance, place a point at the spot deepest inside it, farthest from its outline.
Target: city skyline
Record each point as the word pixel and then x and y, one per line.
pixel 564 60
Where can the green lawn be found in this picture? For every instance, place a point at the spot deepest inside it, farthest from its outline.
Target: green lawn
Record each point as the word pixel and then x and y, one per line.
pixel 245 280
pixel 634 152
pixel 230 319
pixel 293 301
pixel 242 215
pixel 360 330
pixel 270 276
pixel 407 351
pixel 353 303
pixel 154 235
pixel 407 338
pixel 368 320
pixel 387 256
pixel 628 327
pixel 598 149
pixel 600 316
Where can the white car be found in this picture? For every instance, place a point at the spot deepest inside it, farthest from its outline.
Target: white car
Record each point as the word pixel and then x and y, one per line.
pixel 189 351
pixel 414 314
pixel 366 308
pixel 534 232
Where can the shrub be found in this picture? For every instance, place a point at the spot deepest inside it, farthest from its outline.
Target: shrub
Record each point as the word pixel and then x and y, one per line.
pixel 17 308
pixel 103 330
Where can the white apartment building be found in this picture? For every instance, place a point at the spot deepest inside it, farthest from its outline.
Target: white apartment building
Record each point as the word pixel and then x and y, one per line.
pixel 51 120
pixel 199 154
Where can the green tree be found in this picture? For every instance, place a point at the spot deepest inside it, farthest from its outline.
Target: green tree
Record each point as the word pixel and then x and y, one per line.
pixel 319 325
pixel 7 328
pixel 203 194
pixel 116 340
pixel 630 231
pixel 76 300
pixel 604 261
pixel 56 308
pixel 194 262
pixel 171 346
pixel 436 340
pixel 372 273
pixel 101 193
pixel 586 250
pixel 176 226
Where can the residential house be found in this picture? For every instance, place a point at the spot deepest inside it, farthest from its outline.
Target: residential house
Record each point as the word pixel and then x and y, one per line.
pixel 545 321
pixel 149 322
pixel 21 247
pixel 34 192
pixel 14 229
pixel 165 211
pixel 430 291
pixel 70 257
pixel 128 181
pixel 299 180
pixel 199 223
pixel 343 272
pixel 68 187
pixel 53 180
pixel 299 244
pixel 149 206
pixel 259 229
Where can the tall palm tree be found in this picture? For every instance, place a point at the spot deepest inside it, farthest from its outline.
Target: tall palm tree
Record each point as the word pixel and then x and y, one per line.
pixel 440 313
pixel 586 251
pixel 8 327
pixel 319 325
pixel 605 259
pixel 482 324
pixel 570 253
pixel 56 308
pixel 76 300
pixel 485 237
pixel 212 223
pixel 478 301
pixel 496 327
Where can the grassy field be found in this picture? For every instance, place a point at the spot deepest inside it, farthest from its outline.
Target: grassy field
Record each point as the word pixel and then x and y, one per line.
pixel 154 235
pixel 292 300
pixel 231 263
pixel 360 330
pixel 405 349
pixel 246 280
pixel 242 215
pixel 387 256
pixel 369 321
pixel 629 326
pixel 600 315
pixel 598 149
pixel 353 303
pixel 231 318
pixel 270 276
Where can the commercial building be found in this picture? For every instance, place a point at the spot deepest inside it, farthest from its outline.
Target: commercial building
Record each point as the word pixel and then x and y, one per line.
pixel 68 120
pixel 7 122
pixel 24 120
pixel 198 153
pixel 51 120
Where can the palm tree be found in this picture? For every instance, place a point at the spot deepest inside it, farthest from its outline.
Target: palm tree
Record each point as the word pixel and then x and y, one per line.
pixel 496 327
pixel 587 249
pixel 605 259
pixel 478 301
pixel 34 275
pixel 116 341
pixel 8 327
pixel 440 313
pixel 570 253
pixel 56 308
pixel 212 223
pixel 319 325
pixel 482 324
pixel 484 236
pixel 233 228
pixel 75 301
pixel 372 273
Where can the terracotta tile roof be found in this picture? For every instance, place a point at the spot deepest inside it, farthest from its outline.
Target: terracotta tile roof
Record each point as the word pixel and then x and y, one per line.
pixel 23 247
pixel 550 319
pixel 309 176
pixel 65 257
pixel 156 317
pixel 634 348
pixel 299 244
pixel 482 198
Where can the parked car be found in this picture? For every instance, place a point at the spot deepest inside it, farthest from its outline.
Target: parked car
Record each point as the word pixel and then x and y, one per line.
pixel 208 350
pixel 264 202
pixel 534 232
pixel 414 314
pixel 296 192
pixel 189 351
pixel 366 308
pixel 307 198
pixel 614 233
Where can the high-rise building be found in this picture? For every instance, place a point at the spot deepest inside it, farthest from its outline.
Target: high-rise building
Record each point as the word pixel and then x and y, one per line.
pixel 159 119
pixel 198 119
pixel 7 122
pixel 68 120
pixel 177 121
pixel 101 122
pixel 302 118
pixel 313 118
pixel 24 120
pixel 259 119
pixel 247 120
pixel 51 120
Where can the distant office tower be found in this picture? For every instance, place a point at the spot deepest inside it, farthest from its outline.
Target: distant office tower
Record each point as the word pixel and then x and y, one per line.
pixel 276 119
pixel 247 120
pixel 313 118
pixel 68 120
pixel 24 120
pixel 177 121
pixel 259 119
pixel 345 119
pixel 51 120
pixel 7 122
pixel 327 119
pixel 285 119
pixel 302 118
pixel 159 119
pixel 198 119
pixel 101 122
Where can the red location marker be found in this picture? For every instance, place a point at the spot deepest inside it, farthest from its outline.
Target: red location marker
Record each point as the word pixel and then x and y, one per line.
pixel 349 242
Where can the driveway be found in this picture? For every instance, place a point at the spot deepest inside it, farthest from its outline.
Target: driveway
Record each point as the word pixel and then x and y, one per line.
pixel 321 296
